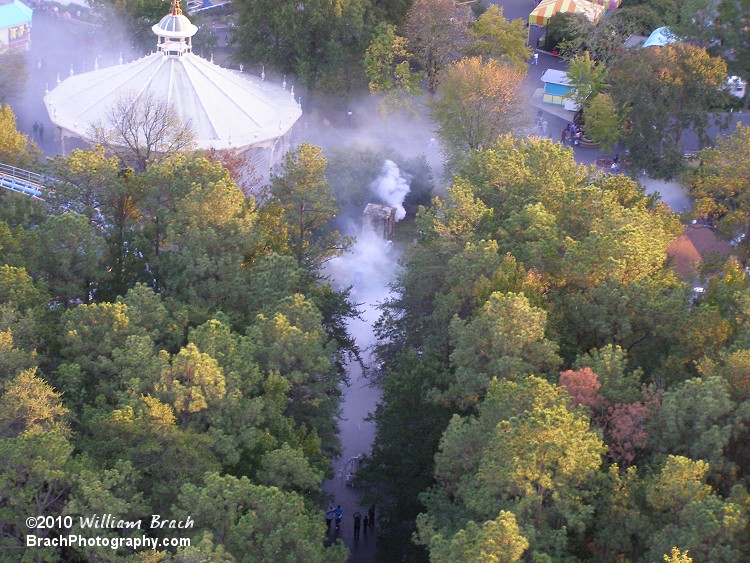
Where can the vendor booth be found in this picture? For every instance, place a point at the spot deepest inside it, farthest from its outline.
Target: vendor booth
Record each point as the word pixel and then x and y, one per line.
pixel 548 8
pixel 15 25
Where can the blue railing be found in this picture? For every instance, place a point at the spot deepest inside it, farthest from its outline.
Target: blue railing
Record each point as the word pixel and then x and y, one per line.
pixel 21 181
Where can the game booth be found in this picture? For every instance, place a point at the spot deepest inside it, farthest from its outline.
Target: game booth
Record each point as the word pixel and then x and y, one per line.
pixel 15 25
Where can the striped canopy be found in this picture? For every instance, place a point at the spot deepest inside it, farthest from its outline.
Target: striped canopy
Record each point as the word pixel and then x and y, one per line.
pixel 548 8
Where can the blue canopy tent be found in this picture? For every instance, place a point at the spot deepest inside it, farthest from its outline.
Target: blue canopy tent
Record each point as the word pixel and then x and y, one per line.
pixel 659 37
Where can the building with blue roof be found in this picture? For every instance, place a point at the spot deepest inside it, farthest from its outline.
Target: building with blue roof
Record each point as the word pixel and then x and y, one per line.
pixel 15 25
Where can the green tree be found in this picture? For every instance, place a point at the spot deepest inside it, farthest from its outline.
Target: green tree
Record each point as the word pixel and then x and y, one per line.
pixel 620 383
pixel 193 383
pixel 696 22
pixel 293 344
pixel 287 468
pixel 435 29
pixel 12 359
pixel 562 27
pixel 13 74
pixel 34 449
pixel 254 522
pixel 495 541
pixel 17 288
pixel 307 38
pixel 721 184
pixel 406 422
pixel 505 339
pixel 30 406
pixel 96 491
pixel 81 183
pixel 516 455
pixel 136 16
pixel 71 260
pixel 92 184
pixel 699 419
pixel 602 40
pixel 387 67
pixel 477 102
pixel 209 236
pixel 539 465
pixel 603 122
pixel 146 435
pixel 587 79
pixel 734 16
pixel 495 36
pixel 690 514
pixel 665 92
pixel 302 190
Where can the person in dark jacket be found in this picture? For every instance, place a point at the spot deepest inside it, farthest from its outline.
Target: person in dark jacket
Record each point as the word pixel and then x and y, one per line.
pixel 357 524
pixel 329 517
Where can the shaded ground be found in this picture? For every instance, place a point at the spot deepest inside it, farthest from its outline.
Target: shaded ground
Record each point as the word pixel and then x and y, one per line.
pixel 369 267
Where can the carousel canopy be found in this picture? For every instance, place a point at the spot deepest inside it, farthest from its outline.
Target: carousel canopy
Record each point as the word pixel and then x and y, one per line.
pixel 548 8
pixel 227 108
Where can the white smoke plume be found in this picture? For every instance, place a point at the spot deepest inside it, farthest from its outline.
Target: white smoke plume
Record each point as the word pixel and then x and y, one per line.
pixel 391 187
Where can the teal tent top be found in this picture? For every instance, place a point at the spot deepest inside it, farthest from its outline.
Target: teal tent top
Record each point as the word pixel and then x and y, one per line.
pixel 14 13
pixel 659 37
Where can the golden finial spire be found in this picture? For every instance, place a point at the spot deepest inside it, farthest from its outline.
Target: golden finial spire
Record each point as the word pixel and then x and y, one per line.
pixel 176 10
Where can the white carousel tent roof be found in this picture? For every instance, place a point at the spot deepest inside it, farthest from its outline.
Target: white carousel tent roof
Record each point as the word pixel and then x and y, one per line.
pixel 227 108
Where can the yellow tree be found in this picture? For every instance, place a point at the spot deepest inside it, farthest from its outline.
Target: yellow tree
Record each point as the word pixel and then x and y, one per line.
pixel 476 103
pixel 15 148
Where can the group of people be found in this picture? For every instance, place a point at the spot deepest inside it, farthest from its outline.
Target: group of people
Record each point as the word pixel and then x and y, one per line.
pixel 337 514
pixel 572 132
pixel 38 129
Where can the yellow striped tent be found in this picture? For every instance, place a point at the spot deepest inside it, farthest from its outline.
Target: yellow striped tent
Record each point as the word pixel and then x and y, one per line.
pixel 548 8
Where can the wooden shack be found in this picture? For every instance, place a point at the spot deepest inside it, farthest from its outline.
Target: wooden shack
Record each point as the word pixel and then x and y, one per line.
pixel 379 219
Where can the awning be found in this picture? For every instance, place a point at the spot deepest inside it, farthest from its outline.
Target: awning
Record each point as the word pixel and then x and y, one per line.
pixel 548 8
pixel 14 13
pixel 659 37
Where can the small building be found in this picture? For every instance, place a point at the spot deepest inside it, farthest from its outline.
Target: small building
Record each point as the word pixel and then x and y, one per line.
pixel 693 247
pixel 634 41
pixel 379 219
pixel 556 86
pixel 15 25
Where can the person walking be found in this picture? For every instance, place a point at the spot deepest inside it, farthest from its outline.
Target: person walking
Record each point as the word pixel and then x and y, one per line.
pixel 338 514
pixel 371 513
pixel 365 523
pixel 35 128
pixel 536 58
pixel 329 517
pixel 357 524
pixel 564 136
pixel 41 132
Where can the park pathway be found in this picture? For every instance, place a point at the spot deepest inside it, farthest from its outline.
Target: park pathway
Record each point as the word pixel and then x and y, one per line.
pixel 370 266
